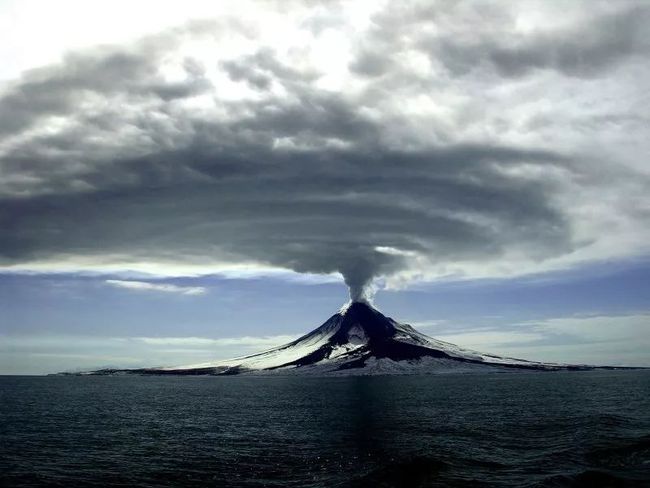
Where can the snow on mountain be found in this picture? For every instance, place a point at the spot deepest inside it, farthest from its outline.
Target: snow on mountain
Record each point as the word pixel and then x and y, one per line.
pixel 358 340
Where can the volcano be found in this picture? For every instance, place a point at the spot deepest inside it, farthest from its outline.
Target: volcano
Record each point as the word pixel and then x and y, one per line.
pixel 358 340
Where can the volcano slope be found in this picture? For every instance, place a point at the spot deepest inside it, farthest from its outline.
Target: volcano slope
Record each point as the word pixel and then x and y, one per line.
pixel 359 340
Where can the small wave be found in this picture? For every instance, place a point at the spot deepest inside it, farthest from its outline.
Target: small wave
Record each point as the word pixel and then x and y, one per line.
pixel 413 472
pixel 630 454
pixel 592 478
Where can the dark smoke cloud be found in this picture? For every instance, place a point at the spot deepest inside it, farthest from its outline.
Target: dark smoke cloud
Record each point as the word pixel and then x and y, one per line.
pixel 298 177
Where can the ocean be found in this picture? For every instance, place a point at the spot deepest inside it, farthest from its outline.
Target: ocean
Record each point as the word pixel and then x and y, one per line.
pixel 537 429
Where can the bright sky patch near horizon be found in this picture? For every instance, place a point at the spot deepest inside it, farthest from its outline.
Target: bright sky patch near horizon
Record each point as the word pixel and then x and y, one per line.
pixel 179 167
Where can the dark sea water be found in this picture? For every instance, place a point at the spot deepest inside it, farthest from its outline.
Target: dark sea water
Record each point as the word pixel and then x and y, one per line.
pixel 504 430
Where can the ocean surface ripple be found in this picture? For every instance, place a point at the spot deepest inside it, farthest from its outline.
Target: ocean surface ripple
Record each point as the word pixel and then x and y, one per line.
pixel 490 430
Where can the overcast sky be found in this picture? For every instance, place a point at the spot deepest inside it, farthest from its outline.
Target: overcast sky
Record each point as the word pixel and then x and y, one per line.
pixel 198 179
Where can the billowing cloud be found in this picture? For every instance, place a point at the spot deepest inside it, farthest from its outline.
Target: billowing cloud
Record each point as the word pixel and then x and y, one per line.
pixel 583 42
pixel 590 339
pixel 407 143
pixel 161 287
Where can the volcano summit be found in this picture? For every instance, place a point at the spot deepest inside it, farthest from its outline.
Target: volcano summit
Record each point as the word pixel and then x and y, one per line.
pixel 358 340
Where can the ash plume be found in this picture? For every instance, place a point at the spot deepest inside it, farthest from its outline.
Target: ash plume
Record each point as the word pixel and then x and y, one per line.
pixel 429 148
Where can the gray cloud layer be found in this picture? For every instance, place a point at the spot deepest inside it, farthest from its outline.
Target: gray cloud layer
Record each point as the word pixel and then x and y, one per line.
pixel 249 158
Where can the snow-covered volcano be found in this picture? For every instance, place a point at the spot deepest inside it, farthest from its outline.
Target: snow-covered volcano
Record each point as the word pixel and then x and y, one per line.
pixel 358 340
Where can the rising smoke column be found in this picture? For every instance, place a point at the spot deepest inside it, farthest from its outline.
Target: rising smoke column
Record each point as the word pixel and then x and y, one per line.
pixel 361 270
